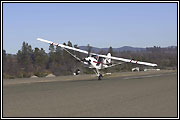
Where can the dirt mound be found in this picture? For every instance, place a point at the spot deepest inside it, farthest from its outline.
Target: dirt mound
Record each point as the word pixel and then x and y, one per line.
pixel 50 75
pixel 34 76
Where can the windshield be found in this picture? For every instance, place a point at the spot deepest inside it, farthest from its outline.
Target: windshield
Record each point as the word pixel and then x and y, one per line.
pixel 95 56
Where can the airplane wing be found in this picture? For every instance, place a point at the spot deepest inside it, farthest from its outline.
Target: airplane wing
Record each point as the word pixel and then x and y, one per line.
pixel 129 61
pixel 64 46
pixel 116 64
pixel 105 56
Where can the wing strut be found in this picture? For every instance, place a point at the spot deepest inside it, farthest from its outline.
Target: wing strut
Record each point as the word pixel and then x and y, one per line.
pixel 72 54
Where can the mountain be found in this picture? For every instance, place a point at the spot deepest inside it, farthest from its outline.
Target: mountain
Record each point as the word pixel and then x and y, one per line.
pixel 129 48
pixel 124 48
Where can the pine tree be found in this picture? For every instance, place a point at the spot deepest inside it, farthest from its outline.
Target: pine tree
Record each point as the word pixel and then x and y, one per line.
pixel 24 57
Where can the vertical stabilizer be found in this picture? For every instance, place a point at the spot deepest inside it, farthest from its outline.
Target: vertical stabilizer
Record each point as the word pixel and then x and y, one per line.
pixel 108 58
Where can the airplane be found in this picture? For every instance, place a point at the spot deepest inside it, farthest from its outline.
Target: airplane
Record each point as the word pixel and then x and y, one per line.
pixel 96 61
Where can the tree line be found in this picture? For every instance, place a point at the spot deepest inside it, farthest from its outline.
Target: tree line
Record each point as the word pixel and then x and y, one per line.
pixel 27 61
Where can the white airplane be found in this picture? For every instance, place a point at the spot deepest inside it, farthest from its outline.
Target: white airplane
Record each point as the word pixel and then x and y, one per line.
pixel 96 61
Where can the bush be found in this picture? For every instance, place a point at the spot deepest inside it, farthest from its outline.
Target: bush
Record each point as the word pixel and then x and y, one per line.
pixel 27 75
pixel 41 74
pixel 6 76
pixel 20 75
pixel 23 74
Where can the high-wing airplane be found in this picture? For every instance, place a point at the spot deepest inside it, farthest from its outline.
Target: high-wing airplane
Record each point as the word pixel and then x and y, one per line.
pixel 97 61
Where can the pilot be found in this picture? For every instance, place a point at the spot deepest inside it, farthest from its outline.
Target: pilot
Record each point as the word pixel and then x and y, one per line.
pixel 95 57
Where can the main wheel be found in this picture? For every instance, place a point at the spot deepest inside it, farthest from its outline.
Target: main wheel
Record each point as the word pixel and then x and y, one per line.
pixel 100 77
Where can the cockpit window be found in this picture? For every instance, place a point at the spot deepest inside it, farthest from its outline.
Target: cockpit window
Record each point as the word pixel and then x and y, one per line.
pixel 95 56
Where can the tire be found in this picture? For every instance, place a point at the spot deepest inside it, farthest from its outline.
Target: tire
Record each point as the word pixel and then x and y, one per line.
pixel 100 77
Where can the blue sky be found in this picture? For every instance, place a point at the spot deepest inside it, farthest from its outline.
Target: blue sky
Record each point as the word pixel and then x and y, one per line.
pixel 98 24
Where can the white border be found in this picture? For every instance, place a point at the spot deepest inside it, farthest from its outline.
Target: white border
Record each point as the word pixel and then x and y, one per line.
pixel 178 57
pixel 92 2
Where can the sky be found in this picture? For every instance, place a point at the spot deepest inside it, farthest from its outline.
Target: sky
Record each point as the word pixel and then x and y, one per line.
pixel 98 24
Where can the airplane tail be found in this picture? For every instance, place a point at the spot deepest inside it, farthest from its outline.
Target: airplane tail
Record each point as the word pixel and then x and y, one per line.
pixel 108 60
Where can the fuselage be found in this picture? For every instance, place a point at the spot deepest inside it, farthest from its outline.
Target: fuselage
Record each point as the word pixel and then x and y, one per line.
pixel 95 62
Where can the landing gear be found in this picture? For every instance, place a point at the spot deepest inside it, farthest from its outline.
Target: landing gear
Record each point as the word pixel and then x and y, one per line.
pixel 100 77
pixel 98 74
